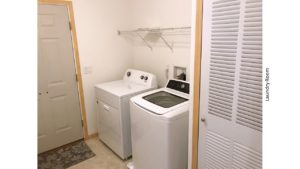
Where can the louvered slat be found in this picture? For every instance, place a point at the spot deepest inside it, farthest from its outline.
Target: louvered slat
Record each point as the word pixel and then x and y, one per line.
pixel 244 157
pixel 249 110
pixel 217 151
pixel 224 33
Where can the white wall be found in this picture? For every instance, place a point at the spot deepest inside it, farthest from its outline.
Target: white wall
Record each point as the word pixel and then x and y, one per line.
pixel 100 48
pixel 158 13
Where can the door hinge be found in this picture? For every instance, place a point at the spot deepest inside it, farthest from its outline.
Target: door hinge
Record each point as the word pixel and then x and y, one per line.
pixel 76 77
pixel 70 25
pixel 82 123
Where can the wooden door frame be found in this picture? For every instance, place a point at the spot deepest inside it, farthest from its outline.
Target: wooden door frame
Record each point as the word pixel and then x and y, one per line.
pixel 197 82
pixel 69 5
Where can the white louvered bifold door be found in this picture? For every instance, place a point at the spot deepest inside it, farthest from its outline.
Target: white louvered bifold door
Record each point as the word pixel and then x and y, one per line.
pixel 230 131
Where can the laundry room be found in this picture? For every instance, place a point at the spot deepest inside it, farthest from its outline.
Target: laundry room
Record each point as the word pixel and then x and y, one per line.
pixel 150 84
pixel 121 49
pixel 129 84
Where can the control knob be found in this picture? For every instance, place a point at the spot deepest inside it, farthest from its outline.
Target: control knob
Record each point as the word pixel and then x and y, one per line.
pixel 142 77
pixel 128 74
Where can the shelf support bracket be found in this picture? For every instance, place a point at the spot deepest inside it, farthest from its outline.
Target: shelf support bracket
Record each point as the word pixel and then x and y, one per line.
pixel 144 40
pixel 166 42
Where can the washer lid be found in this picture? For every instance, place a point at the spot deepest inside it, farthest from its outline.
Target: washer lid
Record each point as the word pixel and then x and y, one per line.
pixel 161 101
pixel 164 99
pixel 121 87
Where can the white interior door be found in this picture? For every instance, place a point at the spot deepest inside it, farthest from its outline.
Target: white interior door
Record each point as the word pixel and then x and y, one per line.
pixel 59 116
pixel 230 131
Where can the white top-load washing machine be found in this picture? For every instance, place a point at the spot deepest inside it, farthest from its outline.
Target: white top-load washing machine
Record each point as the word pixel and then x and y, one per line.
pixel 159 127
pixel 113 117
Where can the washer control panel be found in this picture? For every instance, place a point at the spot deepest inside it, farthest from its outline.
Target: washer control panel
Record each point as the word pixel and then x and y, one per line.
pixel 179 86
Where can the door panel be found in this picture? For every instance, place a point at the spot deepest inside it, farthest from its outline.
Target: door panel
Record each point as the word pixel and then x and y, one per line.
pixel 42 128
pixel 59 108
pixel 230 131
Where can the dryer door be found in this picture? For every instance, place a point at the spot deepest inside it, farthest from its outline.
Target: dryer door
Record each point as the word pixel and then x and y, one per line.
pixel 110 126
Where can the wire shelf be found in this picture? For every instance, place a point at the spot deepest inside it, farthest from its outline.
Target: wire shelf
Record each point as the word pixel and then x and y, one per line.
pixel 158 32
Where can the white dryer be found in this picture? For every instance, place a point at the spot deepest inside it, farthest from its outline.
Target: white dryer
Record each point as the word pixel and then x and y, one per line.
pixel 113 117
pixel 159 127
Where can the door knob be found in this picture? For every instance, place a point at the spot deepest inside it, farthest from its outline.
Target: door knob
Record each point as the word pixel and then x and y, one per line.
pixel 40 93
pixel 203 119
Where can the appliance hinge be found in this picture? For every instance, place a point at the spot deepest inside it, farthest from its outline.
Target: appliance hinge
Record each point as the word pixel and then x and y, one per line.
pixel 70 26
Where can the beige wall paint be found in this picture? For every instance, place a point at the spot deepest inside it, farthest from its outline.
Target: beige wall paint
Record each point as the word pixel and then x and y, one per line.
pixel 100 48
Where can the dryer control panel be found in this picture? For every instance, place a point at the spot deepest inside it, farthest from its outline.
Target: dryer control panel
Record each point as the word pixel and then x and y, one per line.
pixel 141 77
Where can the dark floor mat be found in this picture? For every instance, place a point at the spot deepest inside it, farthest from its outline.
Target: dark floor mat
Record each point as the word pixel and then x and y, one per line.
pixel 65 156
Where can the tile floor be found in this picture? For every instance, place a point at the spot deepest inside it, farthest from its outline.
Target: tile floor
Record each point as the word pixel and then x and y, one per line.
pixel 104 159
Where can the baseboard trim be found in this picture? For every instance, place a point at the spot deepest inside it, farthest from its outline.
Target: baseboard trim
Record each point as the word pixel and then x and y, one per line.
pixel 90 136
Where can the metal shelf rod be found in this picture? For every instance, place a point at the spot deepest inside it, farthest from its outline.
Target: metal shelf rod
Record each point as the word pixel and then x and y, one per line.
pixel 153 30
pixel 159 32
